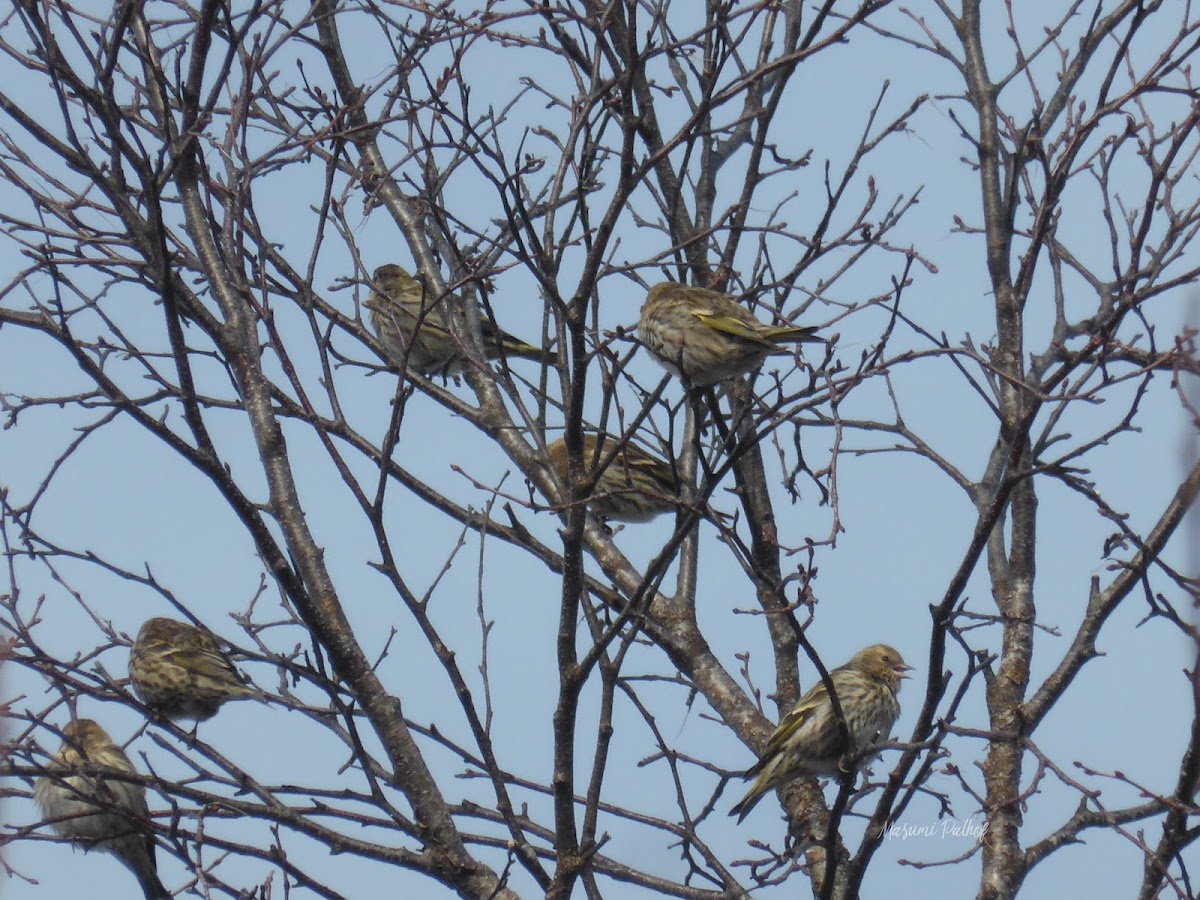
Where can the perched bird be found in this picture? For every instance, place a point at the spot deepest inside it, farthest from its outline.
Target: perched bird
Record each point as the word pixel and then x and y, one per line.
pixel 636 486
pixel 809 741
pixel 180 672
pixel 96 812
pixel 705 337
pixel 400 308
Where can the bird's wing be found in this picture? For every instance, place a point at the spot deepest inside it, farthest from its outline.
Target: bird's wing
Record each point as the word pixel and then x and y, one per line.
pixel 494 334
pixel 207 661
pixel 732 326
pixel 791 723
pixel 657 470
pixel 120 794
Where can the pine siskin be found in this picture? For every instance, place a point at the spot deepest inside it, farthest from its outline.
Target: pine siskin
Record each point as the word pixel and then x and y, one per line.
pixel 98 813
pixel 809 742
pixel 636 486
pixel 180 672
pixel 399 305
pixel 705 337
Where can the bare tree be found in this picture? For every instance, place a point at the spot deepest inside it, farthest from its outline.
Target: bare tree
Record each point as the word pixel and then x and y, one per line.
pixel 199 198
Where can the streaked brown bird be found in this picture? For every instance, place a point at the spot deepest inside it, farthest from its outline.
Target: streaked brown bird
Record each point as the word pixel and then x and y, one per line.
pixel 635 487
pixel 809 742
pixel 180 671
pixel 412 328
pixel 95 811
pixel 705 337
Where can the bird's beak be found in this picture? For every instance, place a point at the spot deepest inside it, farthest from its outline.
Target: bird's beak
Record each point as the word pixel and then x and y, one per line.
pixel 902 669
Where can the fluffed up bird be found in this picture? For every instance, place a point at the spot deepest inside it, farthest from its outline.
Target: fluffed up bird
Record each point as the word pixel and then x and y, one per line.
pixel 412 328
pixel 180 671
pixel 97 812
pixel 809 742
pixel 635 487
pixel 705 337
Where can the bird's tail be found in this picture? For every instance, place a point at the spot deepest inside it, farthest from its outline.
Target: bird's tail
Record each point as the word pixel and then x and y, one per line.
pixel 248 692
pixel 796 334
pixel 153 889
pixel 514 347
pixel 747 803
pixel 143 866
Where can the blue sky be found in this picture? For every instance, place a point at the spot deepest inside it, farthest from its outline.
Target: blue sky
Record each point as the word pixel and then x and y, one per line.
pixel 130 501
